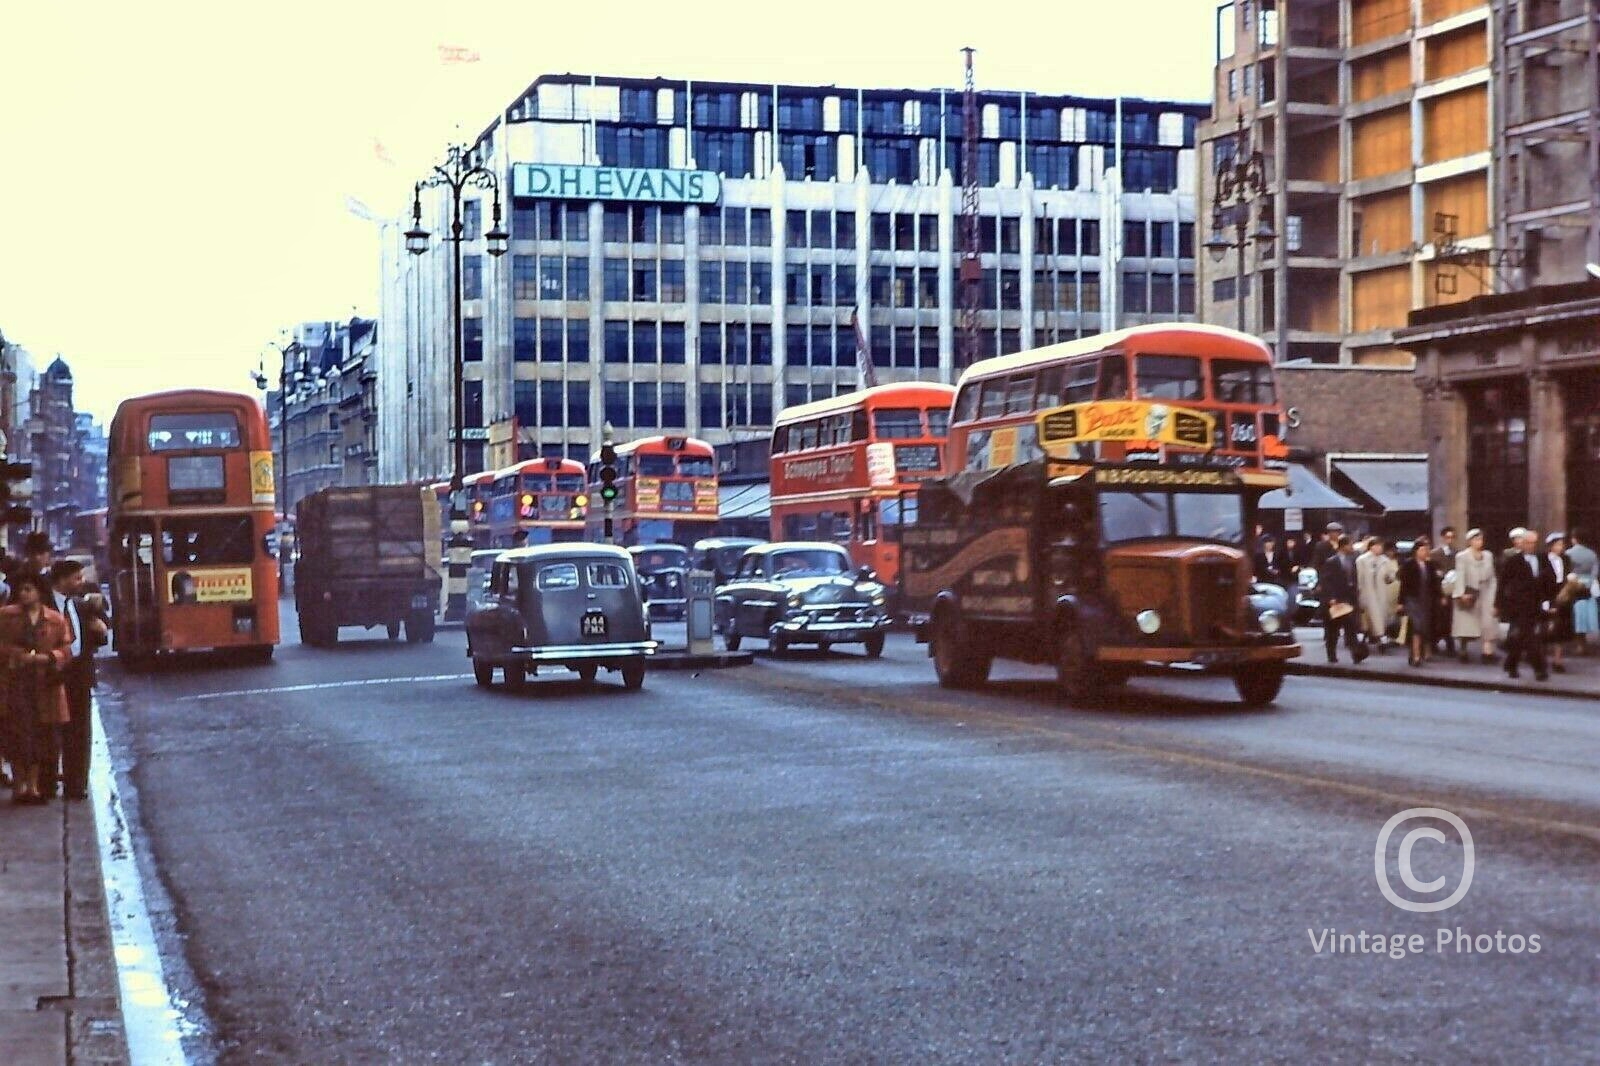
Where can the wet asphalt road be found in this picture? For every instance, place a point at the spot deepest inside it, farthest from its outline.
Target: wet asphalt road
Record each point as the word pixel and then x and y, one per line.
pixel 825 859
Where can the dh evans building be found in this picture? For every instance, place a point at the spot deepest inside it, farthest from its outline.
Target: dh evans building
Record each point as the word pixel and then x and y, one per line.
pixel 689 256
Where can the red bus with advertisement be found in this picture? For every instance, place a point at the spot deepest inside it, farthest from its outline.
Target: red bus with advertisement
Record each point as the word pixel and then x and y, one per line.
pixel 666 492
pixel 545 499
pixel 847 469
pixel 190 522
pixel 1136 378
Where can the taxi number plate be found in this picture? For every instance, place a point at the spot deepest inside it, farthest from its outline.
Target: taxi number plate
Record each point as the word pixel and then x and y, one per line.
pixel 594 625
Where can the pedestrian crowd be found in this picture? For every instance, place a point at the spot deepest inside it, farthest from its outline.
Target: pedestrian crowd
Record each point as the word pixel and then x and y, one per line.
pixel 1533 604
pixel 51 625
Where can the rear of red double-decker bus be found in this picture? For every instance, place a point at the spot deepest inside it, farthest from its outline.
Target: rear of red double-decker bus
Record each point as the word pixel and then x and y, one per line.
pixel 190 521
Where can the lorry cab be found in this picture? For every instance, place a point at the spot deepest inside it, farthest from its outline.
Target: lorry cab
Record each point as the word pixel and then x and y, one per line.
pixel 576 606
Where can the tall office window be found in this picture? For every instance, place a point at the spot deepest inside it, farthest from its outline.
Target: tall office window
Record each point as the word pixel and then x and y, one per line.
pixel 551 331
pixel 644 404
pixel 577 403
pixel 524 339
pixel 577 340
pixel 472 340
pixel 525 402
pixel 616 402
pixel 644 342
pixel 616 279
pixel 616 342
pixel 472 277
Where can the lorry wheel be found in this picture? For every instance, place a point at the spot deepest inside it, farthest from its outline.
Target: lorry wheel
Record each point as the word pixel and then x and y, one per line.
pixel 394 630
pixel 1080 678
pixel 874 646
pixel 633 676
pixel 483 672
pixel 419 628
pixel 1258 687
pixel 955 661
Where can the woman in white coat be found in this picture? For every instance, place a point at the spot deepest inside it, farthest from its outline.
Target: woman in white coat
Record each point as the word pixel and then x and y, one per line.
pixel 1472 592
pixel 1376 612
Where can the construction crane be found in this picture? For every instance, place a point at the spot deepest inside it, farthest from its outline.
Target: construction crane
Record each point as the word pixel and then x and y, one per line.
pixel 970 278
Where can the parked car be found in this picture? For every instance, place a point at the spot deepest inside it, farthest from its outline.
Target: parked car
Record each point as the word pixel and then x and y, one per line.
pixel 801 592
pixel 577 606
pixel 721 555
pixel 663 570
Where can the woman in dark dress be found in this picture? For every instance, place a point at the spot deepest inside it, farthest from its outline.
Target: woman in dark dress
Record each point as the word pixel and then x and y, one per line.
pixel 1419 593
pixel 35 647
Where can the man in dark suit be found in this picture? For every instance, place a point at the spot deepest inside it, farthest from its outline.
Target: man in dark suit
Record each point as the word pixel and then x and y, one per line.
pixel 1523 597
pixel 1271 564
pixel 89 628
pixel 1327 546
pixel 1336 578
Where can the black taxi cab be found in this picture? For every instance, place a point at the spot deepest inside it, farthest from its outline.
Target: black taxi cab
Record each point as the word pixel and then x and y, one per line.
pixel 575 606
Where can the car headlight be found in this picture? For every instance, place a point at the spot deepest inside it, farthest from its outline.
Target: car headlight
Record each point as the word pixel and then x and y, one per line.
pixel 877 601
pixel 1270 621
pixel 1148 621
pixel 794 599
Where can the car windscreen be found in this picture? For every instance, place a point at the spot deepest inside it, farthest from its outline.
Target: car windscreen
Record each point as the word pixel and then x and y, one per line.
pixel 1211 516
pixel 808 561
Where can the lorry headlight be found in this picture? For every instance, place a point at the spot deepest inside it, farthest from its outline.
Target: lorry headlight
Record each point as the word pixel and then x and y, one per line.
pixel 1148 621
pixel 1270 621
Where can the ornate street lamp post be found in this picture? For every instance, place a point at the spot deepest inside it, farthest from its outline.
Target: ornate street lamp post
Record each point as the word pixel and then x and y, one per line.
pixel 292 370
pixel 1240 183
pixel 457 174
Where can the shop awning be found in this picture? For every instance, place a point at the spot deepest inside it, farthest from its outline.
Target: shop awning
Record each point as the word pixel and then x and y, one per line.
pixel 1396 485
pixel 1307 492
pixel 745 501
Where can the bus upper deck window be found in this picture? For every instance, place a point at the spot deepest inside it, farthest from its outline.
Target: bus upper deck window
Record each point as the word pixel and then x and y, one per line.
pixel 938 422
pixel 1241 381
pixel 1019 394
pixel 966 406
pixel 1168 377
pixel 655 466
pixel 897 423
pixel 1113 378
pixel 1051 380
pixel 1081 378
pixel 993 403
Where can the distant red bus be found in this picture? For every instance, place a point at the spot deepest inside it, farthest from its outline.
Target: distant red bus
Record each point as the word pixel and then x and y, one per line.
pixel 190 523
pixel 667 492
pixel 542 499
pixel 1153 369
pixel 846 469
pixel 91 541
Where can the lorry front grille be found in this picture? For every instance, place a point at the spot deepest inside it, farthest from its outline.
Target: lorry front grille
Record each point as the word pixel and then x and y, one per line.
pixel 1213 599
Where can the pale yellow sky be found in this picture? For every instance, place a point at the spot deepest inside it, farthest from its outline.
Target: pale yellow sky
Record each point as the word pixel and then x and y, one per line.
pixel 174 174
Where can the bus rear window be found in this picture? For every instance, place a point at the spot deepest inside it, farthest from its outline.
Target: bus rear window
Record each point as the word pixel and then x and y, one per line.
pixel 1240 381
pixel 897 423
pixel 938 422
pixel 220 540
pixel 195 473
pixel 182 432
pixel 1168 377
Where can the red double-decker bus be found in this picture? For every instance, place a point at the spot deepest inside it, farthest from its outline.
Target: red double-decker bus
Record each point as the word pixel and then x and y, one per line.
pixel 666 492
pixel 543 499
pixel 190 521
pixel 847 469
pixel 1137 375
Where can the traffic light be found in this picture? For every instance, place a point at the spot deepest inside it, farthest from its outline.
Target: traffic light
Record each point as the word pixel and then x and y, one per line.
pixel 12 477
pixel 608 473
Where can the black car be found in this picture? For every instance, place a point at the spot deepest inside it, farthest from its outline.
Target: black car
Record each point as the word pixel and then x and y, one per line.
pixel 577 606
pixel 721 555
pixel 802 592
pixel 664 573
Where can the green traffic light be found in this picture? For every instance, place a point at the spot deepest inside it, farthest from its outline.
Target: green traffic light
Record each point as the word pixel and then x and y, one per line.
pixel 608 493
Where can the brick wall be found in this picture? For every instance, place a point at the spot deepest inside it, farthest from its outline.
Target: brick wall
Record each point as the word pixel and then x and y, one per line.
pixel 1353 410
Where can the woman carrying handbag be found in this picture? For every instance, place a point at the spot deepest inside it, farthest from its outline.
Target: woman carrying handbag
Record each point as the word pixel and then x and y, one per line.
pixel 1472 614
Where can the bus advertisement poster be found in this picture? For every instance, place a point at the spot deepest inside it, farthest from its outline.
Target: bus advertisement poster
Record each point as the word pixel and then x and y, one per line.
pixel 222 584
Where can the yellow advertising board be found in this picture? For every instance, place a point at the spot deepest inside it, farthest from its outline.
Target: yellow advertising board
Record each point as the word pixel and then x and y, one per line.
pixel 263 488
pixel 705 496
pixel 647 493
pixel 211 584
pixel 1125 420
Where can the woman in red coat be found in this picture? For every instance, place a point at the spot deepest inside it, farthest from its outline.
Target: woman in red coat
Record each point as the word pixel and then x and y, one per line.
pixel 35 646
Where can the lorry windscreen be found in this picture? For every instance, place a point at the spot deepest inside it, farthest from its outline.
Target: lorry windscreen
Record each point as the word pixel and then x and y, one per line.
pixel 1210 516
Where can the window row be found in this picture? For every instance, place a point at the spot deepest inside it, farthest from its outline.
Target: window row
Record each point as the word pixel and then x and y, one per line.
pixel 549 220
pixel 551 403
pixel 549 277
pixel 640 342
pixel 731 405
pixel 647 404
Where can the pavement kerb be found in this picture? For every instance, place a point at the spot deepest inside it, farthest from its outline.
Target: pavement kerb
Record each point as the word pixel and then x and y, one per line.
pixel 1301 669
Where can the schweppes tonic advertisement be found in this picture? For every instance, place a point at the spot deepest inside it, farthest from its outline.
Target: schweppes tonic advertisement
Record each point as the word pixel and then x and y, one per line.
pixel 1129 420
pixel 210 584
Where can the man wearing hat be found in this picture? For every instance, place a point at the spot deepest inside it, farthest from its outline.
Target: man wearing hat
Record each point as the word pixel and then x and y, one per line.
pixel 1523 598
pixel 1328 546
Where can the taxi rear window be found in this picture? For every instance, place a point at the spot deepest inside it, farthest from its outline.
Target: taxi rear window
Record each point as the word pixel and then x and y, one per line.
pixel 607 576
pixel 558 576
